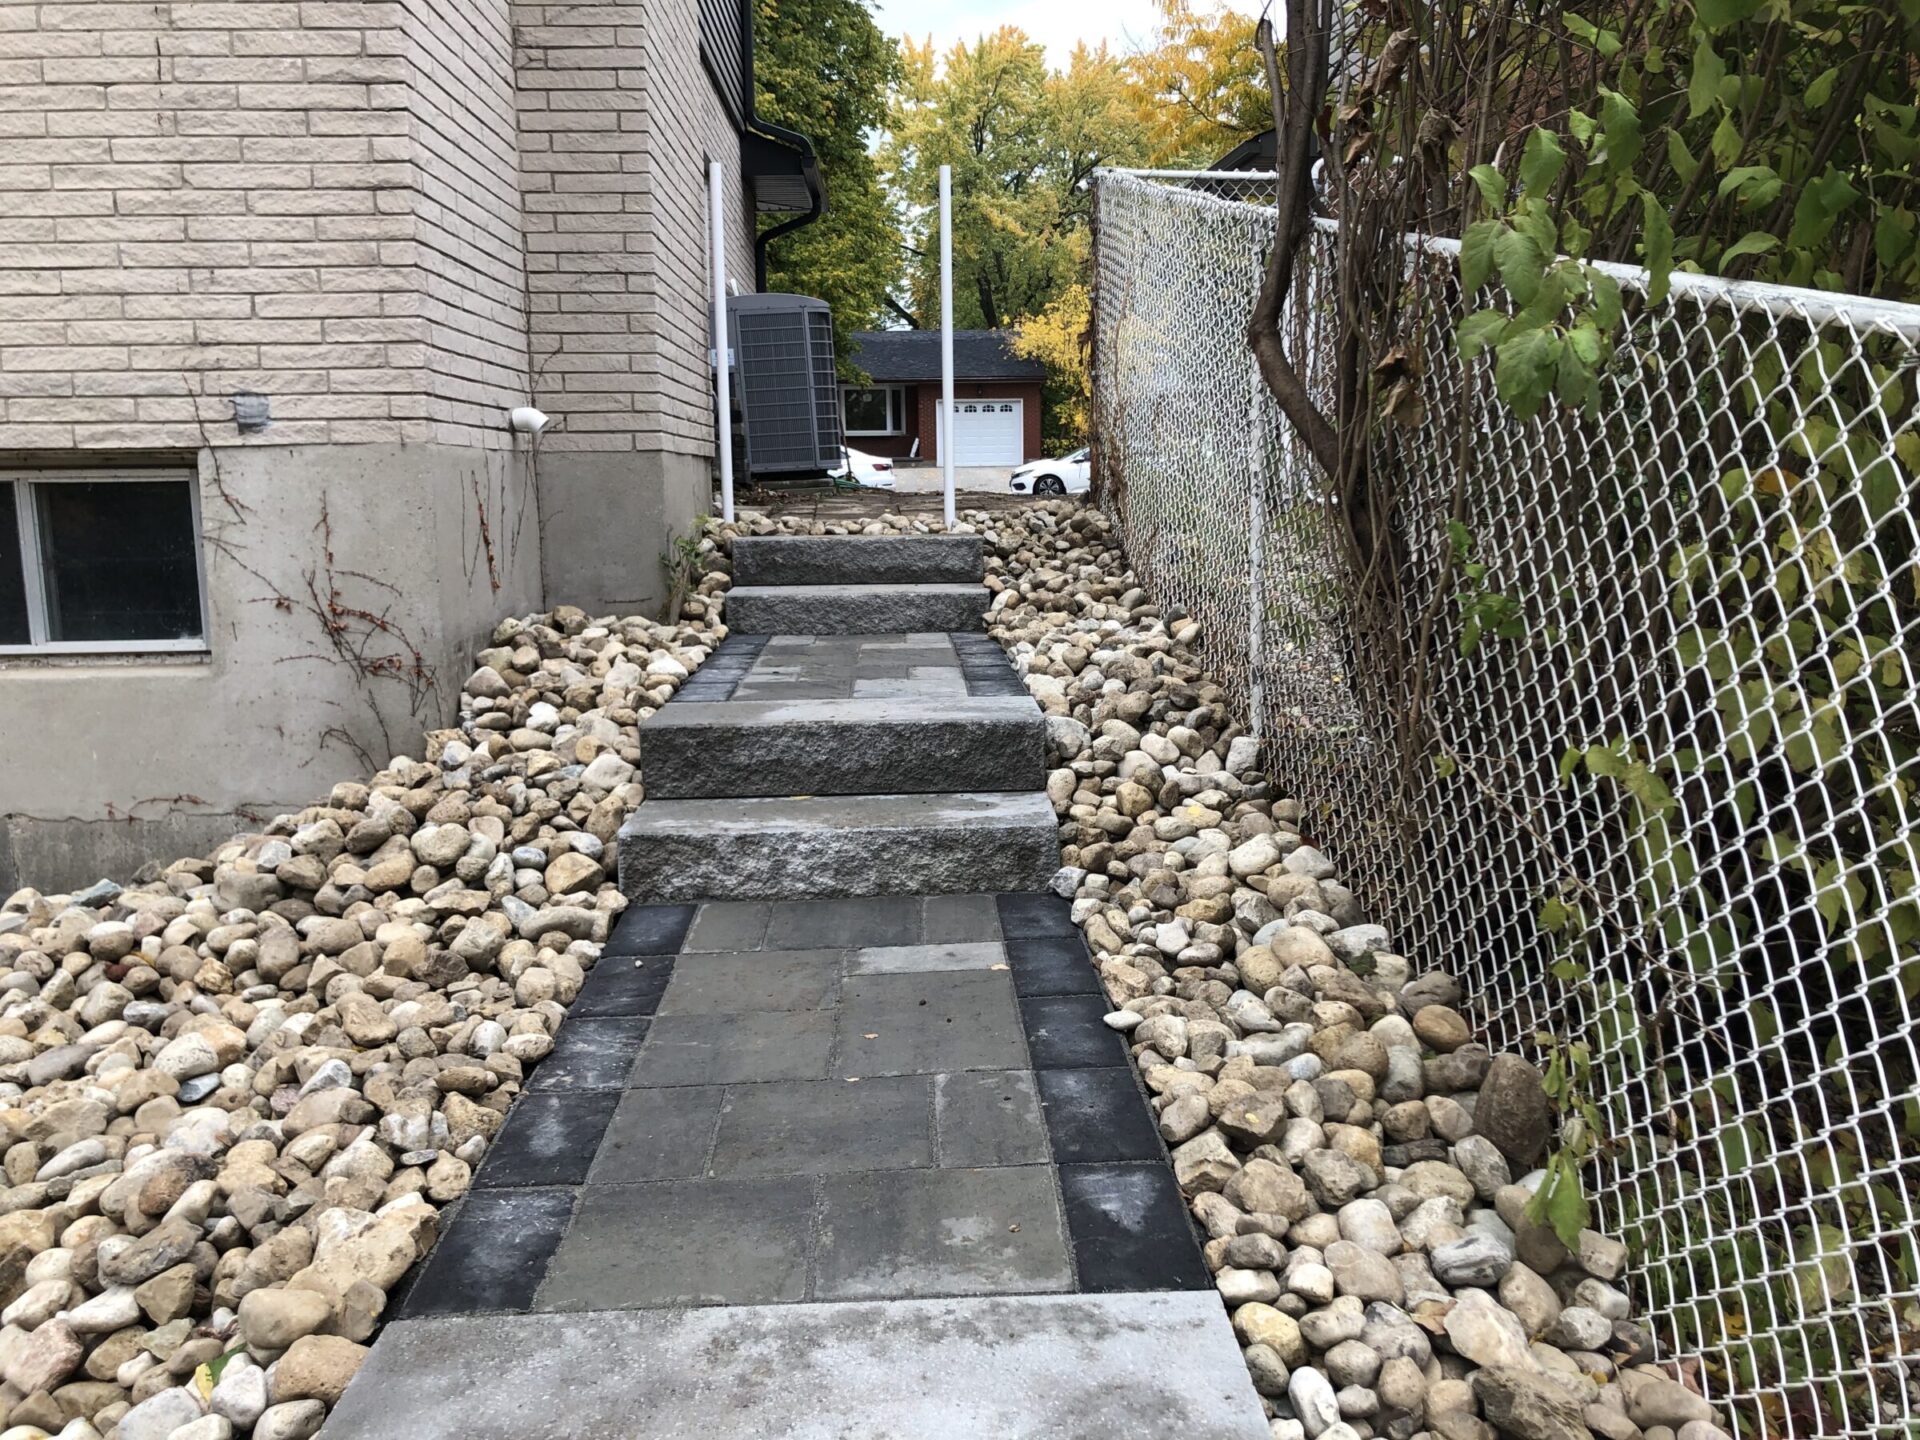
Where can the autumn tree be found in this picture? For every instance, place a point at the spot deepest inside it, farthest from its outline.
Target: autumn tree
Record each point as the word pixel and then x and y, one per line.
pixel 1057 338
pixel 1197 86
pixel 1022 141
pixel 823 67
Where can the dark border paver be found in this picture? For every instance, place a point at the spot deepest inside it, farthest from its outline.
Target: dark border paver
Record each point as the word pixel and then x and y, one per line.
pixel 1052 965
pixel 649 930
pixel 1027 914
pixel 1097 1115
pixel 549 1139
pixel 591 1053
pixel 1065 1032
pixel 1130 1229
pixel 623 985
pixel 493 1256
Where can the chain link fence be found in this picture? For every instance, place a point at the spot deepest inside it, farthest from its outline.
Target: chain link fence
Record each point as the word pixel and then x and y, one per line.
pixel 1638 759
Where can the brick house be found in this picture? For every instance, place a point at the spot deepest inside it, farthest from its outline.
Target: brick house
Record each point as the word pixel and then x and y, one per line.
pixel 996 396
pixel 272 275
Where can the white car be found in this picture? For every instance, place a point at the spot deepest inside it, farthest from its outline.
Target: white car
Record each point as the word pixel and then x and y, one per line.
pixel 874 472
pixel 1068 475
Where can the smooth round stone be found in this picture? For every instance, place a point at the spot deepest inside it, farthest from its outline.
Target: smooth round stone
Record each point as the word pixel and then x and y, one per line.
pixel 1351 1362
pixel 1342 1320
pixel 1475 1259
pixel 1314 1401
pixel 1369 1223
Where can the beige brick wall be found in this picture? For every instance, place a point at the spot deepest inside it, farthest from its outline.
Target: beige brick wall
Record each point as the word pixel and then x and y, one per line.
pixel 349 206
pixel 617 123
pixel 202 198
pixel 466 214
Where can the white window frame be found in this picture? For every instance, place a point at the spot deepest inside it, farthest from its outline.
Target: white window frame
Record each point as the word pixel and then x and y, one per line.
pixel 896 406
pixel 27 518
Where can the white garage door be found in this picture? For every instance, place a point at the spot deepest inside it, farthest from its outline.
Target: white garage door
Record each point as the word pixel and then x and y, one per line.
pixel 988 432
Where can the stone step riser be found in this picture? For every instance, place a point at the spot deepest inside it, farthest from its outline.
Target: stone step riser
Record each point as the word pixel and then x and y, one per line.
pixel 797 849
pixel 858 560
pixel 854 609
pixel 842 747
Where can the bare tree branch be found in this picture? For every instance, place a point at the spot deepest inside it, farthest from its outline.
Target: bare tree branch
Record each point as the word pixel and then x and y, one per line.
pixel 1295 110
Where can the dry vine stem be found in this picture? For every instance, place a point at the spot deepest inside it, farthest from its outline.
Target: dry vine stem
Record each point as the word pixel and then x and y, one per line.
pixel 1296 108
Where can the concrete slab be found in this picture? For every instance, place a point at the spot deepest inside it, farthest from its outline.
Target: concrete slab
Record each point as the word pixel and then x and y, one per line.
pixel 683 1242
pixel 854 609
pixel 929 1022
pixel 857 559
pixel 1079 1367
pixel 766 980
pixel 927 959
pixel 823 1127
pixel 917 1233
pixel 893 742
pixel 736 1049
pixel 848 922
pixel 952 918
pixel 659 1135
pixel 988 1117
pixel 839 845
pixel 727 925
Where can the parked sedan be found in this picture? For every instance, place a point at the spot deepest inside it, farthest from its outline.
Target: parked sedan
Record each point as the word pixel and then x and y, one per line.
pixel 1068 475
pixel 875 472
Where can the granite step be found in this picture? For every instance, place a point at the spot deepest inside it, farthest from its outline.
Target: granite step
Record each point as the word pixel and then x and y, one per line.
pixel 865 746
pixel 854 609
pixel 822 847
pixel 858 560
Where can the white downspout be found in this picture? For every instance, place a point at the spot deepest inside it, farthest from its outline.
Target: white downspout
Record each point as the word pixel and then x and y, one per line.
pixel 722 353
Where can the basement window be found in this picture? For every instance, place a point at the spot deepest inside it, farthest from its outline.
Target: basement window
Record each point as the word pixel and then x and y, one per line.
pixel 100 561
pixel 875 409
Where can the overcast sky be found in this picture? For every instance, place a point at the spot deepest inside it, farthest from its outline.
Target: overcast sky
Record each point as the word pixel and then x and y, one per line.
pixel 1057 24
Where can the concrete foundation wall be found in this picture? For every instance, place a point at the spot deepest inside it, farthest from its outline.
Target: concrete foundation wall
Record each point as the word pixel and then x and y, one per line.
pixel 110 763
pixel 607 521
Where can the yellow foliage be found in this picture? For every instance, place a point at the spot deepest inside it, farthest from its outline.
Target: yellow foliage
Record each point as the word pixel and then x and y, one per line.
pixel 1197 84
pixel 1056 337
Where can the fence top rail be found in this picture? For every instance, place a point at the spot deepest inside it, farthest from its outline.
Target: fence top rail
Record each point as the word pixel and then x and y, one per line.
pixel 1267 176
pixel 1861 313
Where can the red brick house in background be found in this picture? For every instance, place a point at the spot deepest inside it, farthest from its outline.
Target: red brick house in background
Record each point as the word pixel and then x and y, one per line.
pixel 996 397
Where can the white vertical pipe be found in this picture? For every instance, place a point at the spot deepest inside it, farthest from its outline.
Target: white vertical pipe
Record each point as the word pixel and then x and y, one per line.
pixel 723 378
pixel 946 335
pixel 1259 428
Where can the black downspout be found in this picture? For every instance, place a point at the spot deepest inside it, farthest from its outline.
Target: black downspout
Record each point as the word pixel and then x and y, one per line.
pixel 766 237
pixel 793 138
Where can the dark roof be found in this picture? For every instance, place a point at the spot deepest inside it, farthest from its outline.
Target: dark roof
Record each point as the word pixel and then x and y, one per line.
pixel 914 355
pixel 1256 152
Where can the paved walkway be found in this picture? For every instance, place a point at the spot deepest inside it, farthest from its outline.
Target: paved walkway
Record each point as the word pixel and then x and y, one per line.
pixel 867 1166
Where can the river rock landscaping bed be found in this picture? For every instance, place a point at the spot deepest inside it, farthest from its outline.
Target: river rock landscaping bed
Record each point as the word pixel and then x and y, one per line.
pixel 1359 1165
pixel 237 1093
